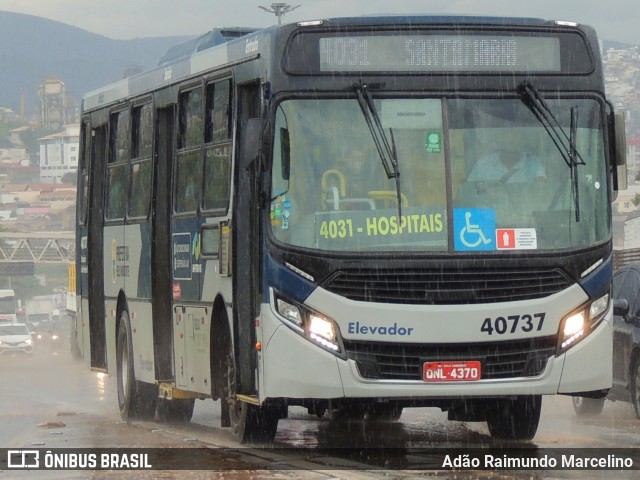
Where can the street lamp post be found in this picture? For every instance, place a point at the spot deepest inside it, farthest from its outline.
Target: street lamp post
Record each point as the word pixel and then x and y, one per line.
pixel 279 9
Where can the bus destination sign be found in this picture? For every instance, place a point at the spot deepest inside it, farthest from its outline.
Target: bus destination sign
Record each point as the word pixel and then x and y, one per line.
pixel 439 53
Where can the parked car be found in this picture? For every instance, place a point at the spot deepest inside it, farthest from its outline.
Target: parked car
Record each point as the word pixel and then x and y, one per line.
pixel 626 344
pixel 15 337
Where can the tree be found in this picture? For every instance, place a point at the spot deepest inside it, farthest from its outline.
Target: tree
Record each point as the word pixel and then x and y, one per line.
pixel 30 139
pixel 69 177
pixel 636 199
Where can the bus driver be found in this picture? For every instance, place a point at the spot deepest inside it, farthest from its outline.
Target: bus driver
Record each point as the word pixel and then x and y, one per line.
pixel 509 164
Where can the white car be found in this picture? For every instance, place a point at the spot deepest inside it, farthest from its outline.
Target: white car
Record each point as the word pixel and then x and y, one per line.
pixel 15 337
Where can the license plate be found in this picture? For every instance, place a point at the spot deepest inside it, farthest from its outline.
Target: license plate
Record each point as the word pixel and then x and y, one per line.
pixel 451 371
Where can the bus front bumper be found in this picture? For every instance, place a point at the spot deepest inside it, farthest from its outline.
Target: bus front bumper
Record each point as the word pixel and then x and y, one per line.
pixel 293 367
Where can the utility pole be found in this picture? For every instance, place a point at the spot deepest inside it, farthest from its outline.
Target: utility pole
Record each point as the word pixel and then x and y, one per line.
pixel 279 9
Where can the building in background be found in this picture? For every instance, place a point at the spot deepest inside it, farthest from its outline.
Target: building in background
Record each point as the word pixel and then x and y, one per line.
pixel 57 106
pixel 59 153
pixel 52 113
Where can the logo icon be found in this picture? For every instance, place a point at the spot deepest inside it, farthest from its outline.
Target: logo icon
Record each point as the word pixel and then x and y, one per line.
pixel 23 459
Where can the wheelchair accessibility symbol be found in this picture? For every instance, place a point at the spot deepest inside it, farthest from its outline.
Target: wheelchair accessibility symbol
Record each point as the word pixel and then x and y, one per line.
pixel 474 229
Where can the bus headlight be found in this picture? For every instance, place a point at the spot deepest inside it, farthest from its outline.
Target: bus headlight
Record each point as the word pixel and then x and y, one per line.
pixel 323 331
pixel 580 323
pixel 312 325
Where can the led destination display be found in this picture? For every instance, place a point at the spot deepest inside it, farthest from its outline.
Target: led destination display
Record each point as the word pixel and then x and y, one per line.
pixel 438 52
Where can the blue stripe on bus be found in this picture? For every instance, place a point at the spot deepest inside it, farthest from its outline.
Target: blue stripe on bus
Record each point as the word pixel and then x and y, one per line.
pixel 598 282
pixel 285 281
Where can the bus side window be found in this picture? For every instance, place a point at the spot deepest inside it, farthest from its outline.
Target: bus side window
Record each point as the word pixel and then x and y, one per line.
pixel 83 172
pixel 217 160
pixel 190 128
pixel 140 192
pixel 141 147
pixel 117 165
pixel 190 141
pixel 188 179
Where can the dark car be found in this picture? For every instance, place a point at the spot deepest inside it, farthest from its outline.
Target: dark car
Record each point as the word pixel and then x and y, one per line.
pixel 51 335
pixel 626 344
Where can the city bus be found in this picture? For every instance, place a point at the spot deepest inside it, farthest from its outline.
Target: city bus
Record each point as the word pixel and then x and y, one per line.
pixel 353 216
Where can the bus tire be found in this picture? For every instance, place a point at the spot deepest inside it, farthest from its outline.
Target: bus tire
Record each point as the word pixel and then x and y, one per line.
pixel 514 418
pixel 346 411
pixel 136 400
pixel 249 423
pixel 177 410
pixel 587 406
pixel 383 412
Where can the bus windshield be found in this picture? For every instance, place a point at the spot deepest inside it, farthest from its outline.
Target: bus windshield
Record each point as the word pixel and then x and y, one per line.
pixel 476 175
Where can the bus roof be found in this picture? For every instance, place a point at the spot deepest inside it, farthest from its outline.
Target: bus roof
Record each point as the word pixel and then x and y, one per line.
pixel 214 37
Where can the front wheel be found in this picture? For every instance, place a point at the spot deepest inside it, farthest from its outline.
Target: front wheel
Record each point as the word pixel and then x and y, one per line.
pixel 136 400
pixel 249 423
pixel 253 424
pixel 587 406
pixel 514 418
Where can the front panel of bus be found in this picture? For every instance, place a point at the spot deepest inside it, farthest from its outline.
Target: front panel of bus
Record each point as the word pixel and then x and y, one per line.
pixel 438 202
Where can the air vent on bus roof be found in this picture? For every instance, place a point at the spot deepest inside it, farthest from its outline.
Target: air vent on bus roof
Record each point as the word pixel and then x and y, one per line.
pixel 217 36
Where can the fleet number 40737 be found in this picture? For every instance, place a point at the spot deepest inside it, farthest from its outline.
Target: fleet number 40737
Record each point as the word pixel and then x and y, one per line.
pixel 513 323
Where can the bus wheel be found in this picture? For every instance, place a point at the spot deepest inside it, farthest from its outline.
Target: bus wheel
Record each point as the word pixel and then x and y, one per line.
pixel 635 386
pixel 514 419
pixel 383 412
pixel 249 423
pixel 587 406
pixel 177 410
pixel 350 411
pixel 137 400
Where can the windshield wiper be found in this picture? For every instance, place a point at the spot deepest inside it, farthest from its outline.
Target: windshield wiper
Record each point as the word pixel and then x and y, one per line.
pixel 573 155
pixel 566 144
pixel 386 149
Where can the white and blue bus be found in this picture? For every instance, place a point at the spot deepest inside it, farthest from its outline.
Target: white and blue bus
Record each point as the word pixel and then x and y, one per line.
pixel 354 215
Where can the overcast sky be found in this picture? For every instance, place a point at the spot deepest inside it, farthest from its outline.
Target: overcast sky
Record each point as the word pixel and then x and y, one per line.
pixel 124 19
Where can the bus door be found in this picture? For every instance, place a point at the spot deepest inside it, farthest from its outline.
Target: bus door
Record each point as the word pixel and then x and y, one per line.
pixel 161 287
pixel 246 237
pixel 94 250
pixel 191 322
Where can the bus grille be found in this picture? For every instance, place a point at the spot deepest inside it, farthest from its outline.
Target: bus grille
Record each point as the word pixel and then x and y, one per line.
pixel 446 287
pixel 389 361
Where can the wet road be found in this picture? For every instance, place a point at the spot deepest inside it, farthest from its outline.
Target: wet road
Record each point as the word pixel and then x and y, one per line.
pixel 52 401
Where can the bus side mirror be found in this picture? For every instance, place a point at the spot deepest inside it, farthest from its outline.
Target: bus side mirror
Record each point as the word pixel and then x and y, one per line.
pixel 620 307
pixel 620 139
pixel 619 149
